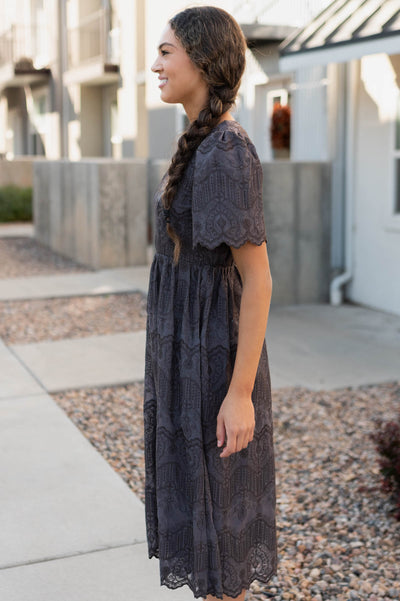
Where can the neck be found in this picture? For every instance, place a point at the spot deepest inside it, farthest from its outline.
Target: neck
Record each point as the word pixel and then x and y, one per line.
pixel 192 114
pixel 193 105
pixel 226 117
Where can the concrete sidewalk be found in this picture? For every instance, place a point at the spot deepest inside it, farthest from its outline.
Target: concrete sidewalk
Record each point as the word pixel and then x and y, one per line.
pixel 17 230
pixel 325 347
pixel 104 281
pixel 72 530
pixel 84 362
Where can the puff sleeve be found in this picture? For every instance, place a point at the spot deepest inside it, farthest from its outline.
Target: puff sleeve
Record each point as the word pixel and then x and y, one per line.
pixel 227 204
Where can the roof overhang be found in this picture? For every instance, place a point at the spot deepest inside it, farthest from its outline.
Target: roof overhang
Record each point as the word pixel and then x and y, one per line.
pixel 341 52
pixel 257 33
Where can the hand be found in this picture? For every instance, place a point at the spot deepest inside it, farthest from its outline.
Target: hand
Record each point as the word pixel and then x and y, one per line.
pixel 235 423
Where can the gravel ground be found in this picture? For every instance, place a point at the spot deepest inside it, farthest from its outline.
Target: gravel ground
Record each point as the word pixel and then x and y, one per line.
pixel 338 539
pixel 22 322
pixel 24 256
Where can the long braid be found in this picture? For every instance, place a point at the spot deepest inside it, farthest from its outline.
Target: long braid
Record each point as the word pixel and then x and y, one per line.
pixel 215 43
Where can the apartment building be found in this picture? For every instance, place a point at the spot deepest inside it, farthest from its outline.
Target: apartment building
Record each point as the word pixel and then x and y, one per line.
pixel 68 78
pixel 29 72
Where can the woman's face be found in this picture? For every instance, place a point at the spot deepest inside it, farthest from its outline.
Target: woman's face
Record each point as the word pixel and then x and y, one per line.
pixel 180 80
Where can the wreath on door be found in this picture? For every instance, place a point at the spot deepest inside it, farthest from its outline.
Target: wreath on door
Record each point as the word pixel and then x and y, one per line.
pixel 280 127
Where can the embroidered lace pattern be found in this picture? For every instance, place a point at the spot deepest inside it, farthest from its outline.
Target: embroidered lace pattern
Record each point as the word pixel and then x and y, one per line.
pixel 210 521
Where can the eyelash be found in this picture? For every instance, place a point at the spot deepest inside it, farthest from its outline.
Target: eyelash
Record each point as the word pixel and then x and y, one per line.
pixel 164 52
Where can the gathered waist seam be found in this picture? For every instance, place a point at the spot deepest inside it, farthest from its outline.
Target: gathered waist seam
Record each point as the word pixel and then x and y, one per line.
pixel 194 261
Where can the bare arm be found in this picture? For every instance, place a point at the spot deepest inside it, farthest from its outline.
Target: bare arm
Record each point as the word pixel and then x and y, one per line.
pixel 235 422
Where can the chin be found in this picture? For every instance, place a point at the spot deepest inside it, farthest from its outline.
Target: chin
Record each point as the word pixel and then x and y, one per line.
pixel 168 99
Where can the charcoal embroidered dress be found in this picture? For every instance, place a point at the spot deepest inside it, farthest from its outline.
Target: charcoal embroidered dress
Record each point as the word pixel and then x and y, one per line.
pixel 210 521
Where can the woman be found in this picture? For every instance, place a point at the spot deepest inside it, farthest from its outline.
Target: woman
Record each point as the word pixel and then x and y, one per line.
pixel 210 483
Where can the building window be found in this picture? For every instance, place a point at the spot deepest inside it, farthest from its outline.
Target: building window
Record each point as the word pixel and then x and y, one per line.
pixel 38 122
pixel 397 158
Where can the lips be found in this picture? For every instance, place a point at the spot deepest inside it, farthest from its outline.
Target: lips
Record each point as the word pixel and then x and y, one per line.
pixel 163 81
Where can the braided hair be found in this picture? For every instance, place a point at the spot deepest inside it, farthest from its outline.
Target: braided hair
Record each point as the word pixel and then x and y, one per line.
pixel 216 45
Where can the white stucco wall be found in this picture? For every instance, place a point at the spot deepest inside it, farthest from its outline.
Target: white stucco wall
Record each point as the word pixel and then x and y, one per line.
pixel 376 239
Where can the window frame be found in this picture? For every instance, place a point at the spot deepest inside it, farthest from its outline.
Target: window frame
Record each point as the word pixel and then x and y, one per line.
pixel 393 209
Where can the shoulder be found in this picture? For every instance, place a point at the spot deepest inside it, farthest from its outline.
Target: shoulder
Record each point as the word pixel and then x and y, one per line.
pixel 229 146
pixel 227 136
pixel 227 204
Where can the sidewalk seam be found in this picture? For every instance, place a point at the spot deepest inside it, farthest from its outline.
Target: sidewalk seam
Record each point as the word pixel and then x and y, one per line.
pixel 79 553
pixel 23 396
pixel 23 364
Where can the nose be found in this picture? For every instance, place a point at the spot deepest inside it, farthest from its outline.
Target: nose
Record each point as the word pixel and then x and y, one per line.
pixel 155 66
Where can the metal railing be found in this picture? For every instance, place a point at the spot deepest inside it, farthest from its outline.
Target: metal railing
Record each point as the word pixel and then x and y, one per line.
pixel 25 42
pixel 93 39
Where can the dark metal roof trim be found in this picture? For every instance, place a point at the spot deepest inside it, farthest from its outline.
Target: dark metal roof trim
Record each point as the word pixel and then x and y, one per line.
pixel 345 22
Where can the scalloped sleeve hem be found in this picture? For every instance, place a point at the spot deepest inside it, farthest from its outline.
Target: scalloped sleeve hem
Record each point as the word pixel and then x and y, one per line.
pixel 227 205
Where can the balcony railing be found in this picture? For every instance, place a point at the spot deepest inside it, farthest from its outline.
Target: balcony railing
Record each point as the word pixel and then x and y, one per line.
pixel 93 40
pixel 24 42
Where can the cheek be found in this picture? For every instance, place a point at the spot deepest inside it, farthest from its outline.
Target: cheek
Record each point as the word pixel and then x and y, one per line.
pixel 191 79
pixel 188 71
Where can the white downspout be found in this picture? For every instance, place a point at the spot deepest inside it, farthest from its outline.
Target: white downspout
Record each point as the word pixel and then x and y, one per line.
pixel 336 292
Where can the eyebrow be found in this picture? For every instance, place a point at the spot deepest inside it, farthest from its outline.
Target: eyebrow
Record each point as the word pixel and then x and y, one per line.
pixel 165 44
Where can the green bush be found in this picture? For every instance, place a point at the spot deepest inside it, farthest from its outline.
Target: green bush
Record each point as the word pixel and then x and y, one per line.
pixel 15 204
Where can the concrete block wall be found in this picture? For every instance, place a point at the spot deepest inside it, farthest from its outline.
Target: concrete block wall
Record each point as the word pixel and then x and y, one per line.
pixel 100 213
pixel 157 168
pixel 93 211
pixel 297 210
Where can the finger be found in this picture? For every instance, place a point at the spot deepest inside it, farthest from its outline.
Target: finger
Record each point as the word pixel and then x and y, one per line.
pixel 251 433
pixel 242 442
pixel 220 431
pixel 230 444
pixel 226 452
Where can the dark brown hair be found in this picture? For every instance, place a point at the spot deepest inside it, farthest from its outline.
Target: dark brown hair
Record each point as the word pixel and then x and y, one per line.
pixel 216 45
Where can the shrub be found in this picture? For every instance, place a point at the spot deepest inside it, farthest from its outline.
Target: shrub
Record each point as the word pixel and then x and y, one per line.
pixel 15 204
pixel 387 444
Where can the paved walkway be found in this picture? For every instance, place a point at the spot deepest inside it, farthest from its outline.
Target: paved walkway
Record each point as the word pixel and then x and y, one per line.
pixel 72 530
pixel 8 230
pixel 104 281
